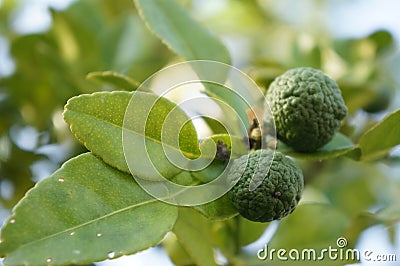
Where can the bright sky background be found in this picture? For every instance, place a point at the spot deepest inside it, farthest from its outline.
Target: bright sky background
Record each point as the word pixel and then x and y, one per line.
pixel 344 18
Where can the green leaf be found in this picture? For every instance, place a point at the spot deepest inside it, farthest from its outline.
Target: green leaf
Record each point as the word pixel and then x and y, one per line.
pixel 307 229
pixel 383 41
pixel 232 98
pixel 359 223
pixel 171 22
pixel 388 216
pixel 378 140
pixel 250 231
pixel 340 145
pixel 215 126
pixel 306 225
pixel 86 211
pixel 97 119
pixel 230 235
pixel 115 79
pixel 224 236
pixel 193 232
pixel 346 184
pixel 185 36
pixel 219 209
pixel 177 252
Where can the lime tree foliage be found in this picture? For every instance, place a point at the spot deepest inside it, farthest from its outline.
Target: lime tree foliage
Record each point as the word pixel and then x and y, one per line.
pixel 96 54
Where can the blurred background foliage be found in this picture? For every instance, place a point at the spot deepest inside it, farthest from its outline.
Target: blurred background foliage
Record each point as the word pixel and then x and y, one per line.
pixel 41 70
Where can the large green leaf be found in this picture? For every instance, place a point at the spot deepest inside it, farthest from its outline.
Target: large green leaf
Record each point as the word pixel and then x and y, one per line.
pixel 193 232
pixel 86 211
pixel 340 145
pixel 184 35
pixel 97 119
pixel 378 141
pixel 173 25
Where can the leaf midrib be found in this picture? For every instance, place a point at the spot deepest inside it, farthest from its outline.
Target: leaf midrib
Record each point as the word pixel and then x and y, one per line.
pixel 119 211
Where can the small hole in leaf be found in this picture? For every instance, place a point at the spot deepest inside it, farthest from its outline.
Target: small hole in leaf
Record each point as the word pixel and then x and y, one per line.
pixel 111 255
pixel 99 234
pixel 12 221
pixel 61 180
pixel 49 260
pixel 72 233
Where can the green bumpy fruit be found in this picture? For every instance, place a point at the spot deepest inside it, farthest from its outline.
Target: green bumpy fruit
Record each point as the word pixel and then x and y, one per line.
pixel 277 195
pixel 307 106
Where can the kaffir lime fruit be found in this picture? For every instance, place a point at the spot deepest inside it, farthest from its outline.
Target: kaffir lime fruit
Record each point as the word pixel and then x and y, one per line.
pixel 307 107
pixel 277 195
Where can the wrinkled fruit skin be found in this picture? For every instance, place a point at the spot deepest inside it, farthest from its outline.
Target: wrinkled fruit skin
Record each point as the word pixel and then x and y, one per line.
pixel 279 193
pixel 307 106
